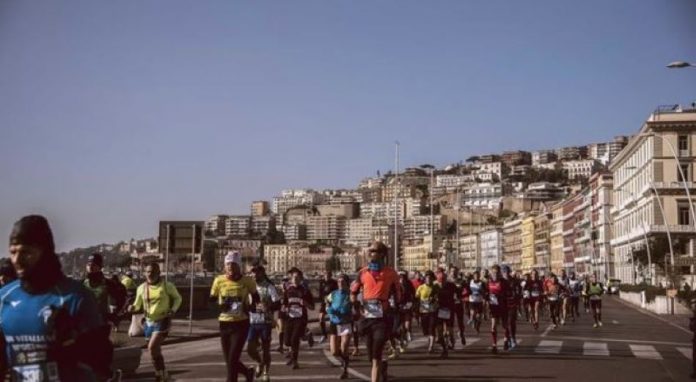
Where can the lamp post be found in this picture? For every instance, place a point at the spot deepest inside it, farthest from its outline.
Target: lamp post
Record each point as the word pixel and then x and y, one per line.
pixel 680 65
pixel 397 189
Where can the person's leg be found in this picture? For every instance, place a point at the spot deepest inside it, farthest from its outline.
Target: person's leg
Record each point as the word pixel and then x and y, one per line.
pixel 238 335
pixel 344 342
pixel 494 331
pixel 599 312
pixel 281 334
pixel 322 321
pixel 379 336
pixel 298 333
pixel 154 346
pixel 253 345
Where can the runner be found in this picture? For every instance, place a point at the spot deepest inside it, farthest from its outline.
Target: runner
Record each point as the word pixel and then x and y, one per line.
pixel 159 300
pixel 585 297
pixel 296 300
pixel 574 287
pixel 417 281
pixel 326 286
pixel 552 292
pixel 445 316
pixel 131 287
pixel 594 291
pixel 406 310
pixel 261 322
pixel 563 281
pixel 376 281
pixel 513 302
pixel 526 296
pixel 426 296
pixel 497 297
pixel 392 317
pixel 356 332
pixel 535 289
pixel 106 291
pixel 339 309
pixel 477 290
pixel 33 349
pixel 282 317
pixel 236 297
pixel 458 309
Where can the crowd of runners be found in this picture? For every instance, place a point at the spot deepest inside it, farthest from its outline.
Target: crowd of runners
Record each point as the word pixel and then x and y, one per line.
pixel 56 329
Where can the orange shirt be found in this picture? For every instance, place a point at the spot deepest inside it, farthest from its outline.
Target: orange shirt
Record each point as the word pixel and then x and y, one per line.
pixel 377 288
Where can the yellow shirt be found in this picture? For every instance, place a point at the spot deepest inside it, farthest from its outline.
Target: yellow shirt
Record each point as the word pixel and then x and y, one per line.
pixel 157 300
pixel 234 296
pixel 427 295
pixel 128 283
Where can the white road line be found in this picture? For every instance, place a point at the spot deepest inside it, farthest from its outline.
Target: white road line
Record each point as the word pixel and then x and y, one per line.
pixel 572 338
pixel 471 341
pixel 549 347
pixel 274 377
pixel 334 361
pixel 614 322
pixel 209 364
pixel 547 330
pixel 595 349
pixel 502 342
pixel 686 352
pixel 645 351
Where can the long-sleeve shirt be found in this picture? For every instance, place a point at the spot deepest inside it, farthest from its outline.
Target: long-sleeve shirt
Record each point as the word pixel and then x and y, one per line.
pixel 157 300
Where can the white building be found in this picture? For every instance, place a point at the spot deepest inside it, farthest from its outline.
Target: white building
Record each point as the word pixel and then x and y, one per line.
pixel 326 228
pixel 453 181
pixel 384 211
pixel 216 225
pixel 489 171
pixel 238 225
pixel 281 257
pixel 580 168
pixel 491 247
pixel 418 226
pixel 483 195
pixel 294 198
pixel 469 252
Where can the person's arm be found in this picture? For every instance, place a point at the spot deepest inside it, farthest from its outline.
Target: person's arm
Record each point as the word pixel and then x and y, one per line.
pixel 137 306
pixel 175 296
pixel 275 298
pixel 309 299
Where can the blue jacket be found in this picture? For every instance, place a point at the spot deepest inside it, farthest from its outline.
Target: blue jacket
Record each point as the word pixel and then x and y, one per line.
pixel 339 307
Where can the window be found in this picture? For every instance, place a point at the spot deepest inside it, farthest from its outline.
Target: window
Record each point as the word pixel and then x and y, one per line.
pixel 684 214
pixel 685 170
pixel 683 143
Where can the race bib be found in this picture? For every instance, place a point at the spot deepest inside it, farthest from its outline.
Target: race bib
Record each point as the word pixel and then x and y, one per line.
pixel 595 297
pixel 553 298
pixel 235 308
pixel 426 307
pixel 535 293
pixel 295 311
pixel 475 298
pixel 444 314
pixel 494 300
pixel 46 372
pixel 373 309
pixel 344 329
pixel 257 317
pixel 407 306
pixel 525 294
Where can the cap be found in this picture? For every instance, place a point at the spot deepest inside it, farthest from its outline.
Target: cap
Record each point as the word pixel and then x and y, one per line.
pixel 233 257
pixel 96 259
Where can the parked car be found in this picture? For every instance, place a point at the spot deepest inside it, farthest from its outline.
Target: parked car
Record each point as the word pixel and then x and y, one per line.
pixel 612 286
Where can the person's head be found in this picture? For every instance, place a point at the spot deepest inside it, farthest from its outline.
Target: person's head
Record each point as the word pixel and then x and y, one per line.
pixel 233 264
pixel 572 275
pixel 343 281
pixel 378 252
pixel 417 275
pixel 506 271
pixel 563 273
pixel 129 274
pixel 453 273
pixel 403 276
pixel 7 272
pixel 295 276
pixel 477 276
pixel 328 275
pixel 429 277
pixel 495 272
pixel 259 272
pixel 441 275
pixel 152 273
pixel 593 278
pixel 32 250
pixel 535 274
pixel 95 263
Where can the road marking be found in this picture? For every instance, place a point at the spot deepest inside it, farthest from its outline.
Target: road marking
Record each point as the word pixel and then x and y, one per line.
pixel 471 341
pixel 645 351
pixel 502 342
pixel 571 338
pixel 614 322
pixel 274 377
pixel 547 330
pixel 549 347
pixel 336 362
pixel 208 364
pixel 686 352
pixel 595 349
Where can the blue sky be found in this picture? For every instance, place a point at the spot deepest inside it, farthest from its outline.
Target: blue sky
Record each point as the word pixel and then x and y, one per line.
pixel 114 115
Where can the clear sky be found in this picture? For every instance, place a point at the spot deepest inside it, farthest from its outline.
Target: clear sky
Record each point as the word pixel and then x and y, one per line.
pixel 116 114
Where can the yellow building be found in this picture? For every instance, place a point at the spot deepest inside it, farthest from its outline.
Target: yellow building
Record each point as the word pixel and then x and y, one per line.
pixel 419 257
pixel 527 233
pixel 556 234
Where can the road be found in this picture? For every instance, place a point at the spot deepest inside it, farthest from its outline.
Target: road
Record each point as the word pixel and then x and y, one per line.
pixel 631 346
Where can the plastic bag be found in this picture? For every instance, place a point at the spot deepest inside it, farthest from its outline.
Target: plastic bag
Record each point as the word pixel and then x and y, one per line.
pixel 136 328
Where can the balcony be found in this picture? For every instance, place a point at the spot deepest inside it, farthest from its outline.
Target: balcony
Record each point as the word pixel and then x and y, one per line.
pixel 673 228
pixel 583 222
pixel 582 239
pixel 673 185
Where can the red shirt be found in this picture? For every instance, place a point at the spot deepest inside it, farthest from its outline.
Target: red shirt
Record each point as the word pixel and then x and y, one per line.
pixel 378 288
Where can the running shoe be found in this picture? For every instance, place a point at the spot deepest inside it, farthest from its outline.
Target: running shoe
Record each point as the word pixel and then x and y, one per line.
pixel 506 345
pixel 494 350
pixel 600 323
pixel 595 325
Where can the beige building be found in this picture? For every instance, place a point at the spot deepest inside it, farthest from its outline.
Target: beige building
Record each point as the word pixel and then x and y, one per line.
pixel 419 257
pixel 512 243
pixel 556 238
pixel 542 242
pixel 260 208
pixel 527 235
pixel 328 229
pixel 645 172
pixel 470 252
pixel 281 257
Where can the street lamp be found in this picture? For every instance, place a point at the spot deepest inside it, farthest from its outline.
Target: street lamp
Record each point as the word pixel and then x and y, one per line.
pixel 679 65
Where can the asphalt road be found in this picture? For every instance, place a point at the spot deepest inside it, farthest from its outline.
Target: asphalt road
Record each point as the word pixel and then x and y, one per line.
pixel 631 346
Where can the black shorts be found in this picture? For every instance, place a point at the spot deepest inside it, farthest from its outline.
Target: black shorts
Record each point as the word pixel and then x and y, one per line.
pixel 498 311
pixel 477 306
pixel 376 332
pixel 428 322
pixel 596 304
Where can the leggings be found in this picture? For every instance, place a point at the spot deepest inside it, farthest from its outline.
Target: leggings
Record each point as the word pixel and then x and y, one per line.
pixel 459 317
pixel 294 331
pixel 233 335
